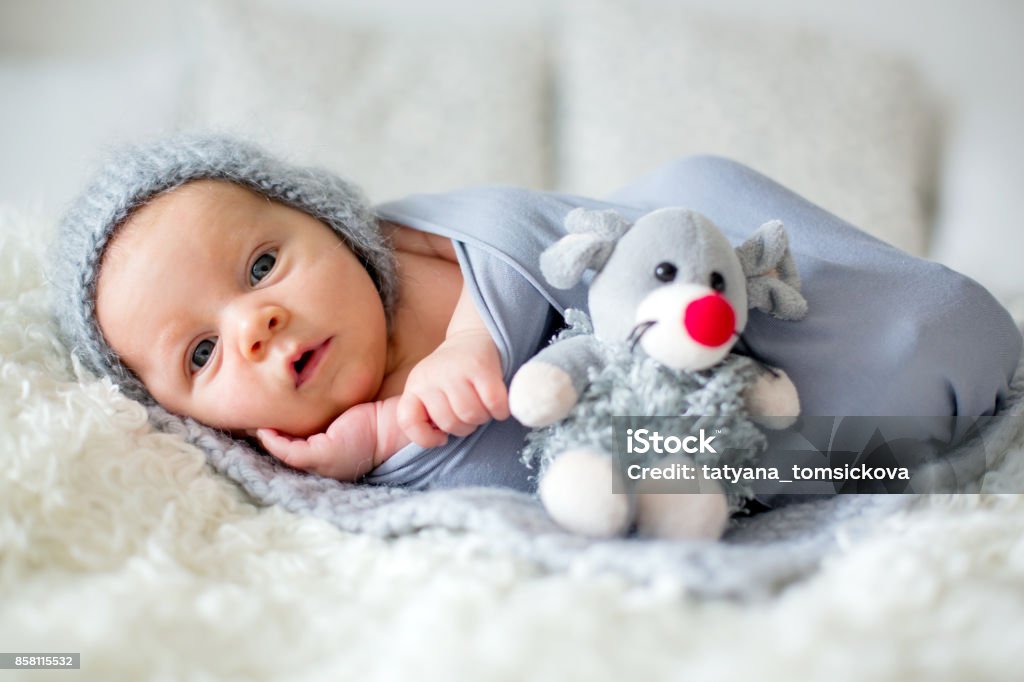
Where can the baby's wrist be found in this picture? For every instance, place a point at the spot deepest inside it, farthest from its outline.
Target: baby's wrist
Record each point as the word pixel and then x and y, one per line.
pixel 469 334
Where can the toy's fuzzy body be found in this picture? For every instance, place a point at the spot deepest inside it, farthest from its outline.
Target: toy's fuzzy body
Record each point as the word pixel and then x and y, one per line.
pixel 626 383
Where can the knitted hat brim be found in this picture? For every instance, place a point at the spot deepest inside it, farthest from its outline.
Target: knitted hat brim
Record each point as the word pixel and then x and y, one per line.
pixel 134 175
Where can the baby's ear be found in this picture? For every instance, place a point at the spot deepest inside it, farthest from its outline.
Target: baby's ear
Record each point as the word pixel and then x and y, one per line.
pixel 592 236
pixel 773 284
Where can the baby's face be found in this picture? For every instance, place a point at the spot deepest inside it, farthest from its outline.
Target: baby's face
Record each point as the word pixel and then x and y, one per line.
pixel 240 312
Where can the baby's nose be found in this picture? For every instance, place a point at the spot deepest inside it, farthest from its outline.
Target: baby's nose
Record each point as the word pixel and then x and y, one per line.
pixel 259 328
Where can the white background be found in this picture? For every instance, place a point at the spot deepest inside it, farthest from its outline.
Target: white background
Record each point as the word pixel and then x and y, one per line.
pixel 79 74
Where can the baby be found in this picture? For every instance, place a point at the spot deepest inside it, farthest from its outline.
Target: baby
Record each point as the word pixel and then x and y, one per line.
pixel 252 317
pixel 271 302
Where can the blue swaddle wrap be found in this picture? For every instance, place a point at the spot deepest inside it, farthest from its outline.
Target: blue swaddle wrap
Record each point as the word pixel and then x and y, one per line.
pixel 499 234
pixel 887 334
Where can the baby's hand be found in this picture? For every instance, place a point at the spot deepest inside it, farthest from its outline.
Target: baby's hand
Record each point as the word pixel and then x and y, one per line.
pixel 357 441
pixel 453 390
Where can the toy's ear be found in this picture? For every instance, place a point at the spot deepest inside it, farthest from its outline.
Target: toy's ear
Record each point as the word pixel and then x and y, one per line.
pixel 592 236
pixel 773 284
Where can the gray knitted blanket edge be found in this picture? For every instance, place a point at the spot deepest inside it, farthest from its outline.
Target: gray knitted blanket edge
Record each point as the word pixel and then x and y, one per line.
pixel 758 556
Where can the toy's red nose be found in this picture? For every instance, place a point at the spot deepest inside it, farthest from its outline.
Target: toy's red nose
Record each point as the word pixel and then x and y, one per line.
pixel 710 320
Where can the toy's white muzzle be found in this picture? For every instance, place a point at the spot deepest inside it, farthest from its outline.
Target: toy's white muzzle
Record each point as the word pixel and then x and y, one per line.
pixel 688 326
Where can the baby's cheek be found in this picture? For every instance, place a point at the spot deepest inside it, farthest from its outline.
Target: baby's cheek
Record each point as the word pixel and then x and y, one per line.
pixel 233 406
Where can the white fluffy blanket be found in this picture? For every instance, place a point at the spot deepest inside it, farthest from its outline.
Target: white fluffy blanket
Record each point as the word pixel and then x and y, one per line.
pixel 119 542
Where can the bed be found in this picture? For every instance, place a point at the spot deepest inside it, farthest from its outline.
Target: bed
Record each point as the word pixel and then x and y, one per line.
pixel 128 545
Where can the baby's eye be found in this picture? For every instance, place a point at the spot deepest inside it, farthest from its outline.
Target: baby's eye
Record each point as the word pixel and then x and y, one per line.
pixel 202 352
pixel 261 267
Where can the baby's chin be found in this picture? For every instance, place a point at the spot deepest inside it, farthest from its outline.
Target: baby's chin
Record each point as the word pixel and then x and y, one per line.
pixel 303 423
pixel 304 429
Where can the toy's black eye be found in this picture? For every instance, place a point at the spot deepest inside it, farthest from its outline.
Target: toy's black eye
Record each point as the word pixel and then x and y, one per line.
pixel 202 352
pixel 717 282
pixel 666 272
pixel 261 267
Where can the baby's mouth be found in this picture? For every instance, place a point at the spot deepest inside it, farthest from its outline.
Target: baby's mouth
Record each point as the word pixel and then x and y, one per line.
pixel 307 362
pixel 301 362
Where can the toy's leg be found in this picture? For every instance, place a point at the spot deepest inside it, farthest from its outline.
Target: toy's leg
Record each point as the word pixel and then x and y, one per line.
pixel 664 509
pixel 577 492
pixel 886 334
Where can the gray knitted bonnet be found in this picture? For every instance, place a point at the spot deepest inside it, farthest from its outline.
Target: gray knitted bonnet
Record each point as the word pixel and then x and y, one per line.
pixel 136 174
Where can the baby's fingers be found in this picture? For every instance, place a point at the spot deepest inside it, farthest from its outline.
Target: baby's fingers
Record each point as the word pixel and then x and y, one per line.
pixel 439 407
pixel 414 421
pixel 295 452
pixel 467 405
pixel 494 396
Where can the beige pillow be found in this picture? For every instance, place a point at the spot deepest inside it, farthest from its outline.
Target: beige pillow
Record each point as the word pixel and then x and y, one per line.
pixel 645 82
pixel 398 111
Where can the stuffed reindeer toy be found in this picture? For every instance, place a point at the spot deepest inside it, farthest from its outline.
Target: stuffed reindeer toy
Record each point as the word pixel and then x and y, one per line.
pixel 668 302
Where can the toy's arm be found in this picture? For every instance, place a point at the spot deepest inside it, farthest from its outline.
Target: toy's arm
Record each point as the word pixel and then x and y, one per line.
pixel 772 400
pixel 547 387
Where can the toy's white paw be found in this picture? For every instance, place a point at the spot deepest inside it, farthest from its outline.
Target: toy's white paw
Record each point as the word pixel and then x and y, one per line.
pixel 679 515
pixel 541 394
pixel 577 492
pixel 773 401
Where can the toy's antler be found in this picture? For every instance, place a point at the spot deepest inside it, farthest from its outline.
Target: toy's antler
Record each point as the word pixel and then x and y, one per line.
pixel 592 236
pixel 773 284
